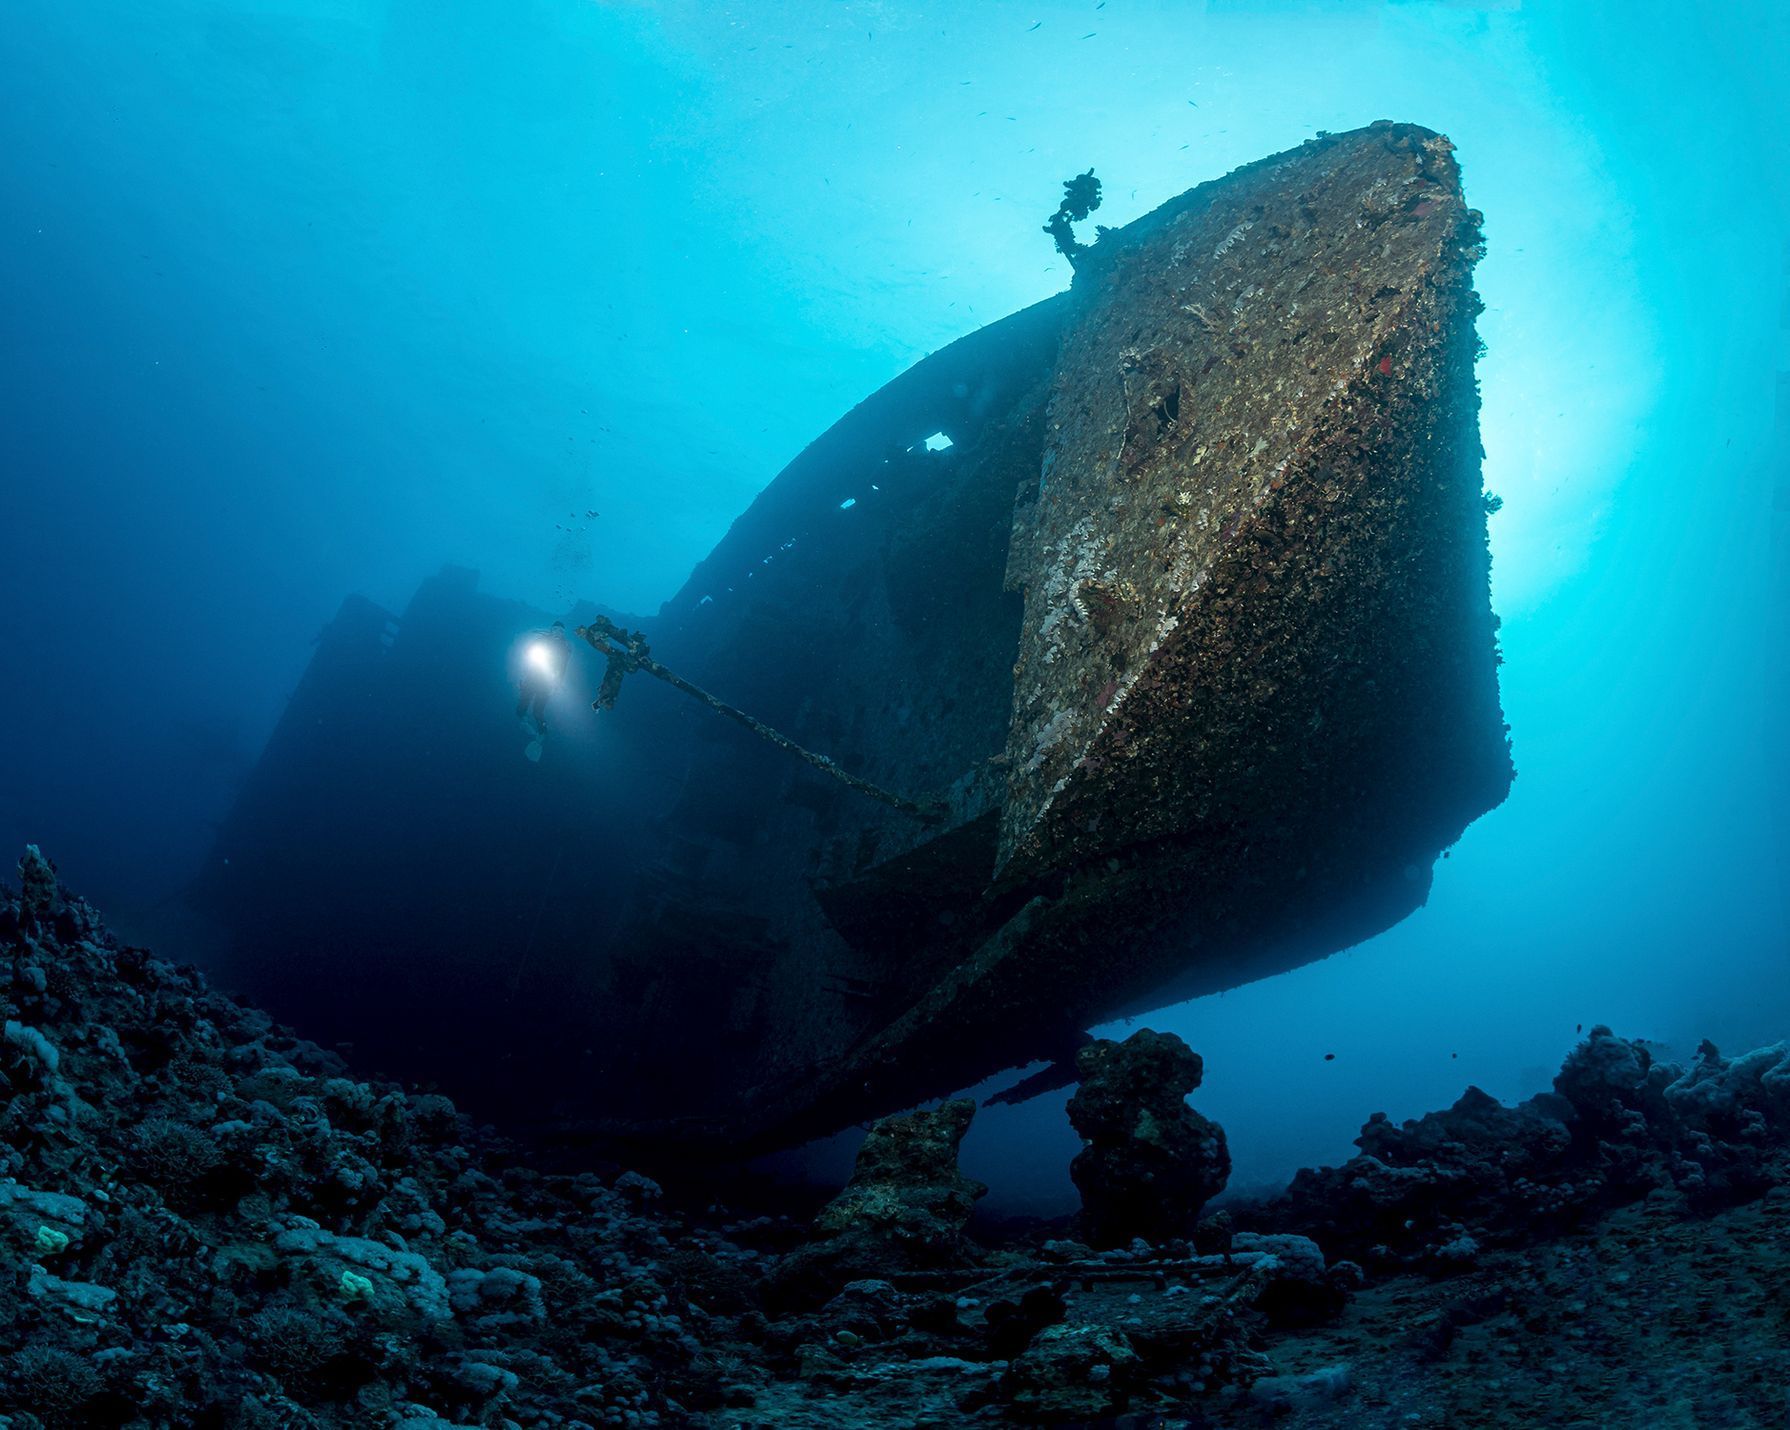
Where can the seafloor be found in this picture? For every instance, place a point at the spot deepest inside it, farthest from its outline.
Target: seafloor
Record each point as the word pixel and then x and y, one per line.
pixel 206 1220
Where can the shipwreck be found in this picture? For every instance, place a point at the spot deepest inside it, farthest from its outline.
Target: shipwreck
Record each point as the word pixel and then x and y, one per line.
pixel 1180 653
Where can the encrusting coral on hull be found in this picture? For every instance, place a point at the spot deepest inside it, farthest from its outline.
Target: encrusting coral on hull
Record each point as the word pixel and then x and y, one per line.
pixel 207 1221
pixel 1176 667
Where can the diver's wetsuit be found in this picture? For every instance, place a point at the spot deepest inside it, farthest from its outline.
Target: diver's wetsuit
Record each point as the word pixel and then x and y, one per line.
pixel 537 684
pixel 533 699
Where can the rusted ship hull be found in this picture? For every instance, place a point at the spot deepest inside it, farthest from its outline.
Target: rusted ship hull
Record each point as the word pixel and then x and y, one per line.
pixel 1189 628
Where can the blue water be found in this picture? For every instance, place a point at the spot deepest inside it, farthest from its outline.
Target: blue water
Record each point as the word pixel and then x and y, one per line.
pixel 305 297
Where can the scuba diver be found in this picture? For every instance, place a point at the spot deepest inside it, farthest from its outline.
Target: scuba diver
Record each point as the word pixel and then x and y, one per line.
pixel 544 664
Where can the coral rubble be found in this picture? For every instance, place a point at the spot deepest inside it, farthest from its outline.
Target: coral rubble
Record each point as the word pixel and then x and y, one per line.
pixel 206 1220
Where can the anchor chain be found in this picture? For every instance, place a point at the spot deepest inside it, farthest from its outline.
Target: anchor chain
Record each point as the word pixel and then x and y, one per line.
pixel 625 652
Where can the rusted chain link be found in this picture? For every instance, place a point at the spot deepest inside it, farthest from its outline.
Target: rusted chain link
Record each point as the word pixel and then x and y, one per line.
pixel 626 652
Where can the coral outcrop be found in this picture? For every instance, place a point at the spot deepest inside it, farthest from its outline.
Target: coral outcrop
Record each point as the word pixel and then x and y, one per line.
pixel 1620 1125
pixel 1150 1161
pixel 904 1209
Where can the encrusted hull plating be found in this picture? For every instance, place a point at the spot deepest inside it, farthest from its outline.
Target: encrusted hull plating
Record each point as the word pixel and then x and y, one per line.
pixel 1189 627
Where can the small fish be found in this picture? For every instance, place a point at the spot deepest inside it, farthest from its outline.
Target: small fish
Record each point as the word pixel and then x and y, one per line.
pixel 1090 35
pixel 1329 1057
pixel 1035 25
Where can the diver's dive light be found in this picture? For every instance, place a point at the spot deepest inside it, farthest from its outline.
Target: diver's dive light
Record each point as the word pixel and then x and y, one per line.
pixel 540 657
